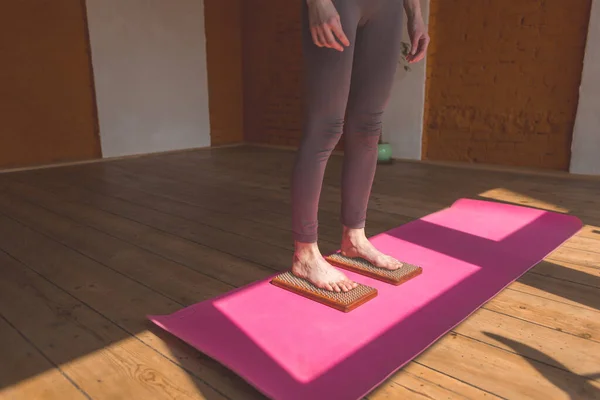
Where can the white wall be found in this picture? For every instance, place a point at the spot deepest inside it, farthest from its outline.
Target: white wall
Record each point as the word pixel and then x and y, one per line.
pixel 149 62
pixel 585 158
pixel 403 120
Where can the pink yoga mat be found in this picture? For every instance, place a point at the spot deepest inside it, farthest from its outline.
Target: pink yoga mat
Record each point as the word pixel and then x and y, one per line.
pixel 289 347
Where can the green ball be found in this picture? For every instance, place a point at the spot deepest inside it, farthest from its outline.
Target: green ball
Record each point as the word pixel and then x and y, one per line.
pixel 385 152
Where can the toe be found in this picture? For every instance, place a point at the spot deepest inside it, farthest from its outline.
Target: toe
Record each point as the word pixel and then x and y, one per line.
pixel 397 264
pixel 390 263
pixel 351 285
pixel 346 285
pixel 335 287
pixel 327 286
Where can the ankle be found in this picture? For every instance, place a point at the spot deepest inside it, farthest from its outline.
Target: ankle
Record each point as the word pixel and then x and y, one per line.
pixel 353 235
pixel 304 251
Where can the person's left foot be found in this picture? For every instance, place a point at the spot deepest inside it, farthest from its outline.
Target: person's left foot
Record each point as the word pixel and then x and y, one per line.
pixel 355 244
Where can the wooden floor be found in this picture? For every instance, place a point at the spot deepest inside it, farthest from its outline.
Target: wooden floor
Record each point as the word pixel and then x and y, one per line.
pixel 87 251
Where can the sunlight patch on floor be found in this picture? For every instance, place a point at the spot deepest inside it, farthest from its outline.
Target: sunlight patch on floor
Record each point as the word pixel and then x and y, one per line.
pixel 50 384
pixel 506 195
pixel 125 369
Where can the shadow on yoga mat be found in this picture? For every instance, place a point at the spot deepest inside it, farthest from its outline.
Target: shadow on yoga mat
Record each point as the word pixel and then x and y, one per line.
pixel 289 347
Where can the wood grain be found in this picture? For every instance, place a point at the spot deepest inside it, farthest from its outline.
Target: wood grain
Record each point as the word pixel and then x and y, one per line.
pixel 21 360
pixel 89 347
pixel 156 233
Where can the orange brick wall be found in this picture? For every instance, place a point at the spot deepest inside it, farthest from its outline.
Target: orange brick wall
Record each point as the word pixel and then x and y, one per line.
pixel 503 79
pixel 223 26
pixel 272 56
pixel 47 101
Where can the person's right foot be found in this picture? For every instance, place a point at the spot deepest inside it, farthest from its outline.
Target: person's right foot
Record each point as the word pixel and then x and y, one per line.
pixel 309 264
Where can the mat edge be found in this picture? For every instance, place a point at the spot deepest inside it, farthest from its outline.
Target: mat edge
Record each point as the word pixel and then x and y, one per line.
pixel 209 355
pixel 153 318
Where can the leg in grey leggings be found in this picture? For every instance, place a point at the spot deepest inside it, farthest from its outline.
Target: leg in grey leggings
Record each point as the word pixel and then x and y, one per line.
pixel 352 86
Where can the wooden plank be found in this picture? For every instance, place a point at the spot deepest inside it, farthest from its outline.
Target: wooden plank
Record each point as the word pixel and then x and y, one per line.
pixel 504 373
pixel 332 205
pixel 235 180
pixel 412 388
pixel 249 249
pixel 27 374
pixel 590 231
pixel 89 347
pixel 568 272
pixel 552 319
pixel 565 252
pixel 270 235
pixel 131 260
pixel 110 223
pixel 551 347
pixel 417 181
pixel 580 257
pixel 171 284
pixel 540 286
pixel 271 165
pixel 245 206
pixel 188 287
pixel 417 380
pixel 229 192
pixel 588 243
pixel 276 169
pixel 381 207
pixel 266 225
pixel 218 265
pixel 552 314
pixel 121 300
pixel 587 297
pixel 267 234
pixel 445 188
pixel 38 218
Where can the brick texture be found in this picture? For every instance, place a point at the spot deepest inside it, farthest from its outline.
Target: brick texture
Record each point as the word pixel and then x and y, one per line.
pixel 503 79
pixel 47 102
pixel 223 28
pixel 272 72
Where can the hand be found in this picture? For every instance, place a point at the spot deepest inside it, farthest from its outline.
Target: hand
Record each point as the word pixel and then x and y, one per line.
pixel 325 23
pixel 419 39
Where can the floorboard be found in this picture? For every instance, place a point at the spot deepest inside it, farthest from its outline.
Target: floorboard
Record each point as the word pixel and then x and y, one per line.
pixel 90 249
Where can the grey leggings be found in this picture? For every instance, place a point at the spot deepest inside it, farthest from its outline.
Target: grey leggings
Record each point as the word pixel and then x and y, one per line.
pixel 352 86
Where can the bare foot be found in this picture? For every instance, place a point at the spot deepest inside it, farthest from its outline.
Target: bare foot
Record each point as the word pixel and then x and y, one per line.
pixel 355 244
pixel 309 264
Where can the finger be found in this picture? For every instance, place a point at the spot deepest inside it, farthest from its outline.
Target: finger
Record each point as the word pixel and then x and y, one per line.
pixel 419 51
pixel 422 50
pixel 331 42
pixel 315 36
pixel 321 36
pixel 414 45
pixel 336 27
